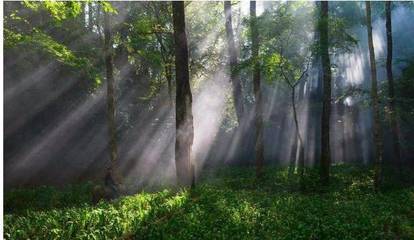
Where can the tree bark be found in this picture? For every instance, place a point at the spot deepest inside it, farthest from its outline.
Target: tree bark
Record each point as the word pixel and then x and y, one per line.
pixel 234 76
pixel 183 111
pixel 112 179
pixel 259 148
pixel 326 102
pixel 391 97
pixel 375 104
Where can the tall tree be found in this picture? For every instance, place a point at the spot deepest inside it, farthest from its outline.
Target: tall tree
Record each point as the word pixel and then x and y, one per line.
pixel 112 178
pixel 183 112
pixel 293 80
pixel 259 148
pixel 375 103
pixel 234 76
pixel 326 102
pixel 391 97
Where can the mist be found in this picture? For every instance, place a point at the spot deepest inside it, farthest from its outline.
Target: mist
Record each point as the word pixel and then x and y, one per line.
pixel 55 131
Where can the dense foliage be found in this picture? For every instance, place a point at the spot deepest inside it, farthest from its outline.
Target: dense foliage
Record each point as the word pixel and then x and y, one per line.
pixel 228 204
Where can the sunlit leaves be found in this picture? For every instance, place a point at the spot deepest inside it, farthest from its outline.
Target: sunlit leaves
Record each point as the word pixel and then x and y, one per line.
pixel 15 17
pixel 38 26
pixel 43 42
pixel 272 65
pixel 60 10
pixel 11 39
pixel 59 51
pixel 286 34
pixel 107 7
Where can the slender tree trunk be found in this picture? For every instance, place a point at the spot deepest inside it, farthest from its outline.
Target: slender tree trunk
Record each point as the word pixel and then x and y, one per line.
pixel 301 162
pixel 168 76
pixel 83 15
pixel 293 153
pixel 259 148
pixel 375 104
pixel 90 16
pixel 98 21
pixel 183 111
pixel 234 76
pixel 391 97
pixel 326 103
pixel 112 179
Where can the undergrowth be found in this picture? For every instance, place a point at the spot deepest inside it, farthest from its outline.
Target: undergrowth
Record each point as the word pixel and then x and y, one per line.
pixel 226 204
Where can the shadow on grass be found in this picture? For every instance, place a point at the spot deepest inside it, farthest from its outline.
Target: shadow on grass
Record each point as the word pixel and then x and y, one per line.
pixel 18 201
pixel 344 178
pixel 349 179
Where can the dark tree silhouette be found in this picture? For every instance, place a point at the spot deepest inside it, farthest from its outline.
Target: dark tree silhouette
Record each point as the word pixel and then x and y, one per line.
pixel 183 107
pixel 326 102
pixel 259 148
pixel 112 178
pixel 391 95
pixel 375 104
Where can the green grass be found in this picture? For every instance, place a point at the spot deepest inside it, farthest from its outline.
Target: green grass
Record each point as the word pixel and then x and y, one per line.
pixel 228 204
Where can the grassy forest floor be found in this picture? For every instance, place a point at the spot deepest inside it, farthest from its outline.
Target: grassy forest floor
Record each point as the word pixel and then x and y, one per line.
pixel 228 204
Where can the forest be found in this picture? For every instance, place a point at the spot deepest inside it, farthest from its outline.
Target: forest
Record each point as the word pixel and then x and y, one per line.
pixel 208 120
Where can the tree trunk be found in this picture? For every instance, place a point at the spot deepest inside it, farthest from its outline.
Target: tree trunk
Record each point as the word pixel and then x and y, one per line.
pixel 168 76
pixel 83 15
pixel 375 102
pixel 391 98
pixel 183 111
pixel 259 148
pixel 326 102
pixel 90 16
pixel 301 160
pixel 112 179
pixel 97 21
pixel 234 76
